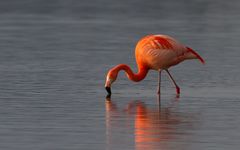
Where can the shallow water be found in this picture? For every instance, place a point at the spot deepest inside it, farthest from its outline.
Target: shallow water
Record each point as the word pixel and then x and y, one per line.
pixel 55 54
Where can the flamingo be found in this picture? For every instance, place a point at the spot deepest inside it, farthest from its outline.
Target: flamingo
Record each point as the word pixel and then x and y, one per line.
pixel 156 52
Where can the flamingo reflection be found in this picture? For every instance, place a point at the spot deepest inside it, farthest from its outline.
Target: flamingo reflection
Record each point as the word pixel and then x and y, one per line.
pixel 152 126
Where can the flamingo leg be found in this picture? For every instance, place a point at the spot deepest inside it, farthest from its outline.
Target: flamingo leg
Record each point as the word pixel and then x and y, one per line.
pixel 177 87
pixel 159 82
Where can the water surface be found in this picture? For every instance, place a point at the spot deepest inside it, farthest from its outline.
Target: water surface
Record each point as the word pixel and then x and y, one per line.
pixel 55 54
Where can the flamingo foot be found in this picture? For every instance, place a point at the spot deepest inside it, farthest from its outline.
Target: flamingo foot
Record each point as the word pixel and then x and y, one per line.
pixel 178 90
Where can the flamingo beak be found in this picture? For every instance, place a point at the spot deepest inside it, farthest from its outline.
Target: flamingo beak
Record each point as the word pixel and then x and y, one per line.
pixel 108 89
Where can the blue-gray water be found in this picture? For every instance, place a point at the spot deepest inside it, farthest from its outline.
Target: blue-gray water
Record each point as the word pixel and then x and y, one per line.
pixel 54 56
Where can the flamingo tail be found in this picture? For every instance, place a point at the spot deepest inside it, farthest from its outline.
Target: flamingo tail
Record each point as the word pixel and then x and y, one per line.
pixel 196 54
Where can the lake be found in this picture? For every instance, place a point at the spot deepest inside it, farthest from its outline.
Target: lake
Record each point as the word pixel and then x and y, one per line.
pixel 55 55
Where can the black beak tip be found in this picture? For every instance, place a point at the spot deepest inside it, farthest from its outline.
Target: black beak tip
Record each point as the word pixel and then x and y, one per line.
pixel 108 89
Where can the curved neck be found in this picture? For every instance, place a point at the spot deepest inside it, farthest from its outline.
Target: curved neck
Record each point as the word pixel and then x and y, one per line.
pixel 142 72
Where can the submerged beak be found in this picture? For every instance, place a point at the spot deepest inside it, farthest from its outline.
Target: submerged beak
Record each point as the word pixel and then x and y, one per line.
pixel 108 89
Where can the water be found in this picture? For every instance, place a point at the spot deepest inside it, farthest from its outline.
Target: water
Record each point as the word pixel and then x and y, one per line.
pixel 55 54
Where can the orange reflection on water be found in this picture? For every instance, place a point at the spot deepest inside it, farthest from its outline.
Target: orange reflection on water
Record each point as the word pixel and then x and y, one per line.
pixel 153 127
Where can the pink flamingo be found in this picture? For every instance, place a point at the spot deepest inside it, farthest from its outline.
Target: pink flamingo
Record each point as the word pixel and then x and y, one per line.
pixel 157 52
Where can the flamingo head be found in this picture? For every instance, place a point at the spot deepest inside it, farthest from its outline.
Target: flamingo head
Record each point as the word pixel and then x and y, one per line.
pixel 111 77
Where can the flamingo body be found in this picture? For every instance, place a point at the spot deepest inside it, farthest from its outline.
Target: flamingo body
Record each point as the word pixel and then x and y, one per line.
pixel 156 52
pixel 161 52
